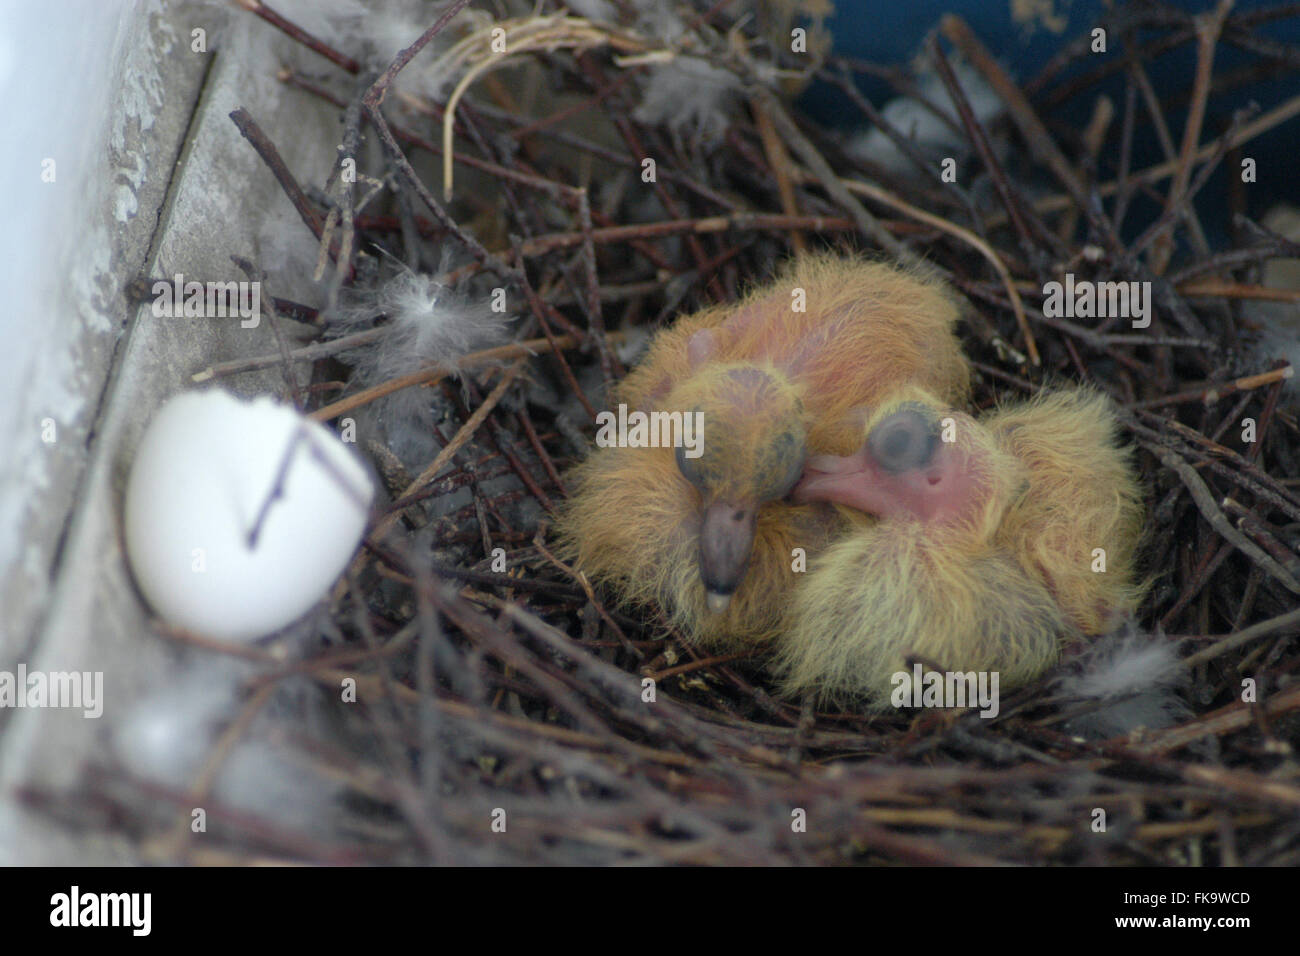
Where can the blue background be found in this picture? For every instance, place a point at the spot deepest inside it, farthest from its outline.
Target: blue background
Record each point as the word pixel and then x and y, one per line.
pixel 892 33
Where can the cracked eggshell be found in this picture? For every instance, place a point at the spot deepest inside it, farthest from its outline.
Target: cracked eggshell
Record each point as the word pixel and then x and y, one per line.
pixel 205 466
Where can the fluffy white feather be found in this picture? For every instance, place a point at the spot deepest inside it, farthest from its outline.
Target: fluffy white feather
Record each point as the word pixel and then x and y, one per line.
pixel 1136 678
pixel 688 95
pixel 375 32
pixel 931 136
pixel 427 323
pixel 167 736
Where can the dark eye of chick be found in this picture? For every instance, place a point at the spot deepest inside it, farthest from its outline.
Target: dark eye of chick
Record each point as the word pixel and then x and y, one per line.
pixel 784 466
pixel 905 440
pixel 690 468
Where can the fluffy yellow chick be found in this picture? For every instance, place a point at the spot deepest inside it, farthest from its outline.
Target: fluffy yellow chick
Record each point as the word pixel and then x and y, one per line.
pixel 973 547
pixel 783 373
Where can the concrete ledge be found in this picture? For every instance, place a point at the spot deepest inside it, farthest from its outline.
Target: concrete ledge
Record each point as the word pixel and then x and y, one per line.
pixel 170 187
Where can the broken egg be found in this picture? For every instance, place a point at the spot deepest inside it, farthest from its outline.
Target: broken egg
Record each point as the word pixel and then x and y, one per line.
pixel 240 514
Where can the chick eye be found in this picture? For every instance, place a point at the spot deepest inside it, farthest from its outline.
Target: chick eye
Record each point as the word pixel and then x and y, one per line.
pixel 905 440
pixel 690 468
pixel 788 455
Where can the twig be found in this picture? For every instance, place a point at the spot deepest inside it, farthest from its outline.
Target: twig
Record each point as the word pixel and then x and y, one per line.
pixel 435 373
pixel 779 160
pixel 249 129
pixel 300 35
pixel 866 223
pixel 1041 144
pixel 1208 27
pixel 984 249
pixel 1205 502
pixel 1215 391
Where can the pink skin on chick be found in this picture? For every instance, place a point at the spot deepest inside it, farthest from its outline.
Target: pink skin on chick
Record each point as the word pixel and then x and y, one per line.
pixel 904 470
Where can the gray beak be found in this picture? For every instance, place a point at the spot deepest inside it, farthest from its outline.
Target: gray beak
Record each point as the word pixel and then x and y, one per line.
pixel 726 540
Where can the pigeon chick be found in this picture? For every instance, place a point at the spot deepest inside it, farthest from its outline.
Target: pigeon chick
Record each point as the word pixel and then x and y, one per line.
pixel 974 546
pixel 781 374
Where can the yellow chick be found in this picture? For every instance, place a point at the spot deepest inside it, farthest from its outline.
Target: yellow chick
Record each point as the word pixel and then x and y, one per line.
pixel 975 546
pixel 781 374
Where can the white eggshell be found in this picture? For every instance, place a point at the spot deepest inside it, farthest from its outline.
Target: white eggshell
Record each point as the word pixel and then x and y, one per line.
pixel 205 466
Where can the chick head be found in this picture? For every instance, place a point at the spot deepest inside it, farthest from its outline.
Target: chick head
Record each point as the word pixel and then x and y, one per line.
pixel 920 461
pixel 752 451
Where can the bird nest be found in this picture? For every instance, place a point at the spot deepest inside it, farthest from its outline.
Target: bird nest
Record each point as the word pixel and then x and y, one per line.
pixel 507 712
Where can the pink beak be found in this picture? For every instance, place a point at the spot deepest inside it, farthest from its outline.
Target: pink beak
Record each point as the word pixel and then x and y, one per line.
pixel 942 490
pixel 850 480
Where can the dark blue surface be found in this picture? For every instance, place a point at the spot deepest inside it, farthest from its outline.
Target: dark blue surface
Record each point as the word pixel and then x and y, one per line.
pixel 892 33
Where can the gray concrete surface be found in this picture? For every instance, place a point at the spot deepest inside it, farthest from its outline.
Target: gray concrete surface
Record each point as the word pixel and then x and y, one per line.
pixel 167 185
